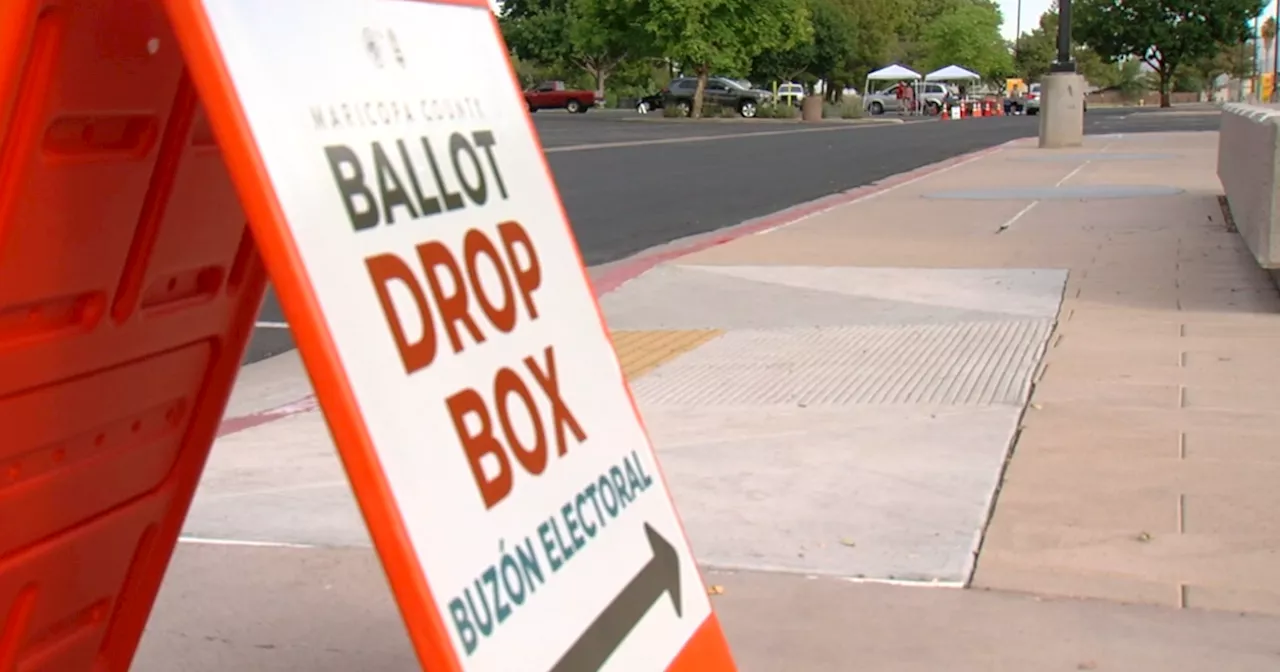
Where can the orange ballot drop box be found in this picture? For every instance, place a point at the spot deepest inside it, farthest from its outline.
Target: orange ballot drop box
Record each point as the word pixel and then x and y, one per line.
pixel 161 160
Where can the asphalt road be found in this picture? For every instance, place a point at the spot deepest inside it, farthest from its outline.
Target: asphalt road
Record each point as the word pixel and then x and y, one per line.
pixel 629 183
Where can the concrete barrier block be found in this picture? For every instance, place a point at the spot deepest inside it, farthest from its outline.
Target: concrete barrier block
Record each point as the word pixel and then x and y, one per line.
pixel 1249 168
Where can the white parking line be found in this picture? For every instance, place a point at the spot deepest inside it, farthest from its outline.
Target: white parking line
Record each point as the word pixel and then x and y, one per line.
pixel 271 325
pixel 708 138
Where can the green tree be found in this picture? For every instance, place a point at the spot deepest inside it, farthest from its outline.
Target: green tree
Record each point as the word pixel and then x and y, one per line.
pixel 1165 34
pixel 536 32
pixel 831 50
pixel 920 17
pixel 602 35
pixel 1038 49
pixel 1035 50
pixel 784 65
pixel 835 40
pixel 876 27
pixel 1232 61
pixel 967 35
pixel 594 36
pixel 719 35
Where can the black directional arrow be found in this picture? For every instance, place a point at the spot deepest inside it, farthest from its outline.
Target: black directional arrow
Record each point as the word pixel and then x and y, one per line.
pixel 604 635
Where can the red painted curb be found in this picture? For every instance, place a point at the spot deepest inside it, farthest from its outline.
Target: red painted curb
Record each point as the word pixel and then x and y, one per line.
pixel 240 423
pixel 635 266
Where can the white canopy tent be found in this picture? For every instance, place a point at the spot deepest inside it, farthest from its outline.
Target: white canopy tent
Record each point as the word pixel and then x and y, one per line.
pixel 952 73
pixel 890 73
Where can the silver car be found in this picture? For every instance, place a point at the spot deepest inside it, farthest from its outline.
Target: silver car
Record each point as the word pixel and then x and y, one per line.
pixel 1032 103
pixel 886 100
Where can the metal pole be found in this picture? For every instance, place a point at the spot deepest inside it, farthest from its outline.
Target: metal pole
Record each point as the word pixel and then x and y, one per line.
pixel 1275 55
pixel 1064 63
pixel 1017 32
pixel 1256 77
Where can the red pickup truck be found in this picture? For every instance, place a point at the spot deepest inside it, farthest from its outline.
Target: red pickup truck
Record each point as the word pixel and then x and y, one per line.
pixel 554 96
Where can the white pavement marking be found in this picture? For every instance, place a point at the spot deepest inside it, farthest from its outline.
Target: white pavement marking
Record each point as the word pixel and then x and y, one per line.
pixel 881 192
pixel 1005 227
pixel 240 542
pixel 1073 173
pixel 704 138
pixel 271 325
pixel 1015 218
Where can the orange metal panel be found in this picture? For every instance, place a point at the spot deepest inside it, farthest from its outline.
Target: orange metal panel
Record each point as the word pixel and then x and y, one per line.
pixel 128 288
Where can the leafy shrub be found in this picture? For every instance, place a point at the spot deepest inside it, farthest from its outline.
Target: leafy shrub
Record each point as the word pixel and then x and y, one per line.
pixel 850 107
pixel 777 111
pixel 672 111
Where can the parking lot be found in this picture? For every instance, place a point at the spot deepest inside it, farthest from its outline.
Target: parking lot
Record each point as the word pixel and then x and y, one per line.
pixel 630 183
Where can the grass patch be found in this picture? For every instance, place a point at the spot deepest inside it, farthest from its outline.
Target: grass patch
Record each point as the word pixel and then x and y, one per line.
pixel 777 111
pixel 720 111
pixel 850 107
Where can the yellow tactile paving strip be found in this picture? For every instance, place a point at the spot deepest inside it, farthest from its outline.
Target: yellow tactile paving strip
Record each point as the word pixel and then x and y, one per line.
pixel 642 351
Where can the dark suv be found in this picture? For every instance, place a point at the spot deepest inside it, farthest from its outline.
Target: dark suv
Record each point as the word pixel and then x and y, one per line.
pixel 720 91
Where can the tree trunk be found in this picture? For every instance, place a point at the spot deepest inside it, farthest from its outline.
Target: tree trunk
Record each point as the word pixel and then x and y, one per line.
pixel 696 111
pixel 1165 84
pixel 601 76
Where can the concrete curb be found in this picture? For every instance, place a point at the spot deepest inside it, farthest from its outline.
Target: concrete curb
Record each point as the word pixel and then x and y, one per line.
pixel 1258 113
pixel 609 277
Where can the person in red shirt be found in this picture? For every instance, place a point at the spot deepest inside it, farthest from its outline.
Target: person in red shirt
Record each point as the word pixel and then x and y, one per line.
pixel 900 91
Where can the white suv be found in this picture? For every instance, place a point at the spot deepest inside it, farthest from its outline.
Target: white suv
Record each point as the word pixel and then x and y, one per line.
pixel 791 93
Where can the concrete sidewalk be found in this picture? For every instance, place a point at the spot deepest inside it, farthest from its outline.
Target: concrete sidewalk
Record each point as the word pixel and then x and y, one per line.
pixel 834 403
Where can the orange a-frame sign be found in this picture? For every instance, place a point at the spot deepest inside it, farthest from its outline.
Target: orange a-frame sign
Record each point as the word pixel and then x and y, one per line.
pixel 403 207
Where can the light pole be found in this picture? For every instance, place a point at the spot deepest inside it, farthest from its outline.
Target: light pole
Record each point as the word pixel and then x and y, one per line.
pixel 1062 92
pixel 1275 56
pixel 1064 62
pixel 1255 81
pixel 1017 32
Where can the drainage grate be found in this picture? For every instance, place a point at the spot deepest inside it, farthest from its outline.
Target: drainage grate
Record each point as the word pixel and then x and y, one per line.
pixel 969 363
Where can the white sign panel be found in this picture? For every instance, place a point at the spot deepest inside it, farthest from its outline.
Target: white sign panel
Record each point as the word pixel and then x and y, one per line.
pixel 430 231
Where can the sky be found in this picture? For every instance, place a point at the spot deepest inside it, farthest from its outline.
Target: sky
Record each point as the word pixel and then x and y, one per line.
pixel 1032 9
